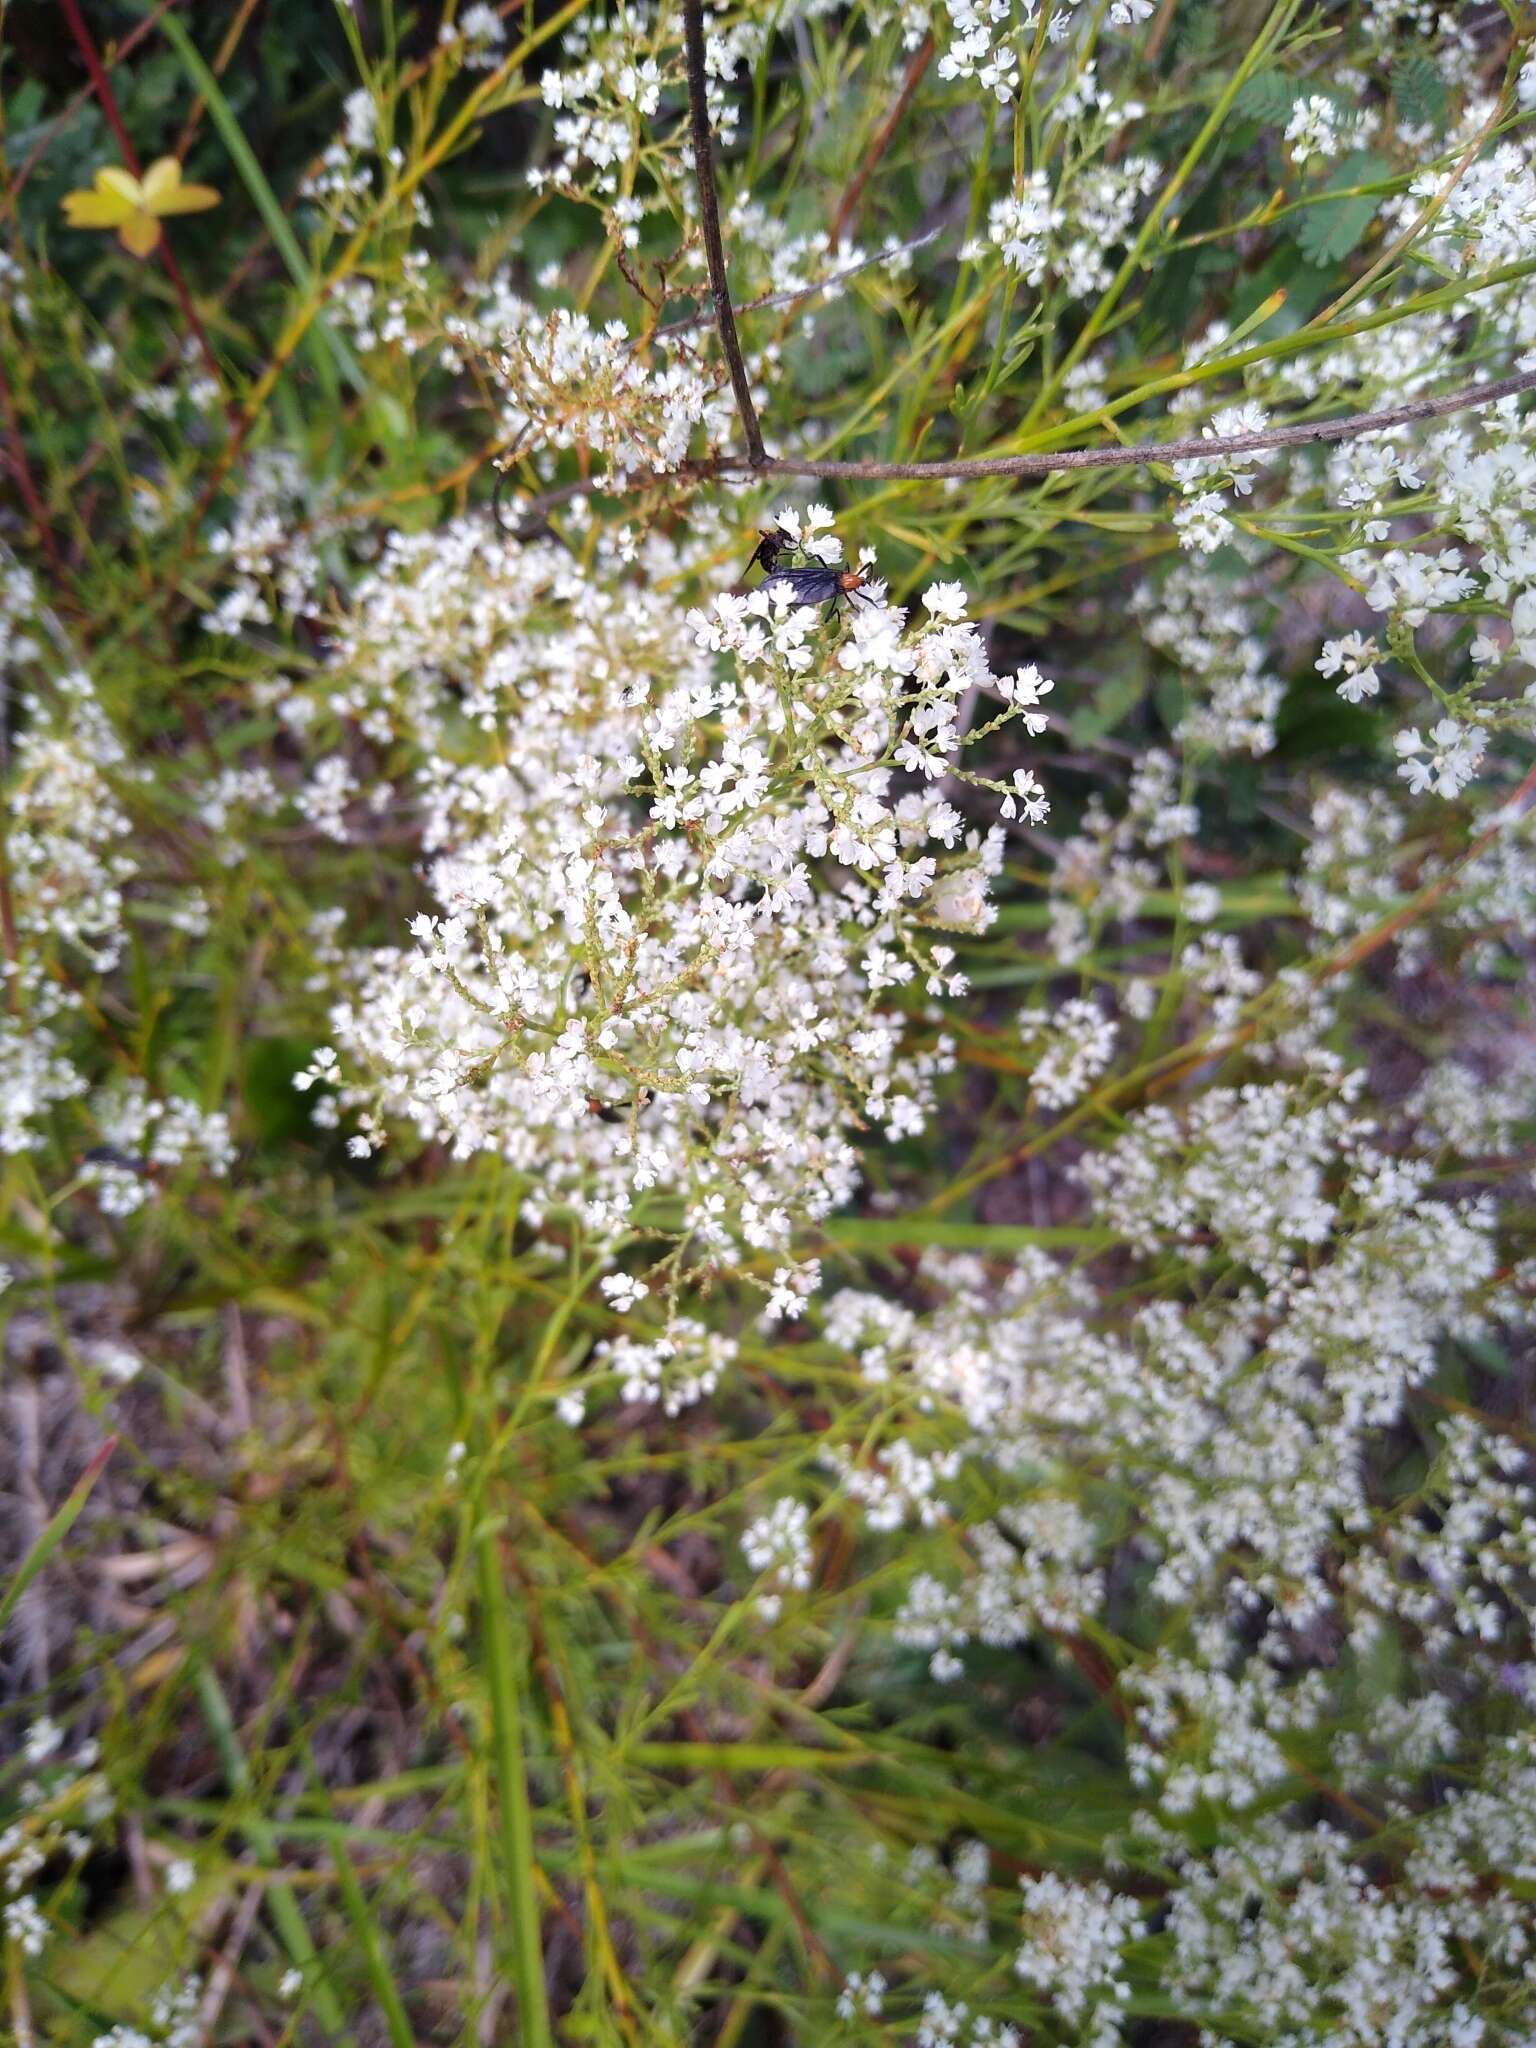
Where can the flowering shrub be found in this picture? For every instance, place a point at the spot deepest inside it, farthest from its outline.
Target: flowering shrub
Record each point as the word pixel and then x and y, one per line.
pixel 767 1232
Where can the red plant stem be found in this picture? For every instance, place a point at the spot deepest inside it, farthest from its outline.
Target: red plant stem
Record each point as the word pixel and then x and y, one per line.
pixel 848 206
pixel 108 101
pixel 26 483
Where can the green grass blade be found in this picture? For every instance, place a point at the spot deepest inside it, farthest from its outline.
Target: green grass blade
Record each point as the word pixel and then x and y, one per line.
pixel 879 1233
pixel 58 1528
pixel 371 1940
pixel 512 1792
pixel 265 199
pixel 288 1919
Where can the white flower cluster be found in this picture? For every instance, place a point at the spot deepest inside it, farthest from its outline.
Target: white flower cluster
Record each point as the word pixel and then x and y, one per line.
pixel 1201 623
pixel 1237 1428
pixel 677 893
pixel 569 383
pixel 482 33
pixel 984 39
pixel 950 2023
pixel 1079 1043
pixel 1073 1937
pixel 1288 1932
pixel 1103 872
pixel 274 568
pixel 1285 1929
pixel 778 1544
pixel 68 844
pixel 1201 522
pixel 58 1808
pixel 1220 1456
pixel 1065 231
pixel 1485 217
pixel 73 856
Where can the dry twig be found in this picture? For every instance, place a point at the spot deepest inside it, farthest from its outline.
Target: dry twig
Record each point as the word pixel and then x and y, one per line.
pixel 1139 455
pixel 709 222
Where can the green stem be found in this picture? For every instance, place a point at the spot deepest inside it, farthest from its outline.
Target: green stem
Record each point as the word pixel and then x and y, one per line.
pixel 512 1793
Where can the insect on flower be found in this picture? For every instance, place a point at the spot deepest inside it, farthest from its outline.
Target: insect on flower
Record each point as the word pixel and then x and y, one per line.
pixel 808 582
pixel 816 585
pixel 771 547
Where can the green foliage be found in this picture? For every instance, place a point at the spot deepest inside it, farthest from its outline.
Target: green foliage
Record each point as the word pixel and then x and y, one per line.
pixel 1419 92
pixel 1266 97
pixel 1331 229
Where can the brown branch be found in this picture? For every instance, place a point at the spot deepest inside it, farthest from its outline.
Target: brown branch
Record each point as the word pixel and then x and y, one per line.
pixel 107 100
pixel 1139 455
pixel 1299 435
pixel 709 222
pixel 921 59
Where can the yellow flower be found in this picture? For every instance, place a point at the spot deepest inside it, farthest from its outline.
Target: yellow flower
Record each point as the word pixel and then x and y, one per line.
pixel 136 206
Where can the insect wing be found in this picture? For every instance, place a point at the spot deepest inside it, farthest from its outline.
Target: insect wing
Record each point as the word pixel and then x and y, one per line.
pixel 805 586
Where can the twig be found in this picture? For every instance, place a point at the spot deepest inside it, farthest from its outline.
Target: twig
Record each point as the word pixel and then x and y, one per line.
pixel 709 222
pixel 922 57
pixel 236 1382
pixel 108 103
pixel 1299 435
pixel 1139 455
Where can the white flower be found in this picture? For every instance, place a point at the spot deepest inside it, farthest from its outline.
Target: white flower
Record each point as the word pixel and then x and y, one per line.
pixel 1313 129
pixel 622 1290
pixel 946 600
pixel 1201 523
pixel 321 1069
pixel 1357 657
pixel 1028 796
pixel 44 1739
pixel 1449 760
pixel 862 1997
pixel 119 1362
pixel 25 1925
pixel 958 901
pixel 1079 1043
pixel 779 1544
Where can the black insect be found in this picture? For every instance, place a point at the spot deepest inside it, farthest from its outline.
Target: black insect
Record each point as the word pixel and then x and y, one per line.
pixel 806 582
pixel 768 552
pixel 817 585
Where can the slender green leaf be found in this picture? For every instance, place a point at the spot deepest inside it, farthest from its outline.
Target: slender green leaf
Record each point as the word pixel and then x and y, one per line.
pixel 59 1526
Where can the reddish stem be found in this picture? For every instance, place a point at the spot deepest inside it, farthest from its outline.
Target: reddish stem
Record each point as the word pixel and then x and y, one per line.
pixel 26 483
pixel 922 57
